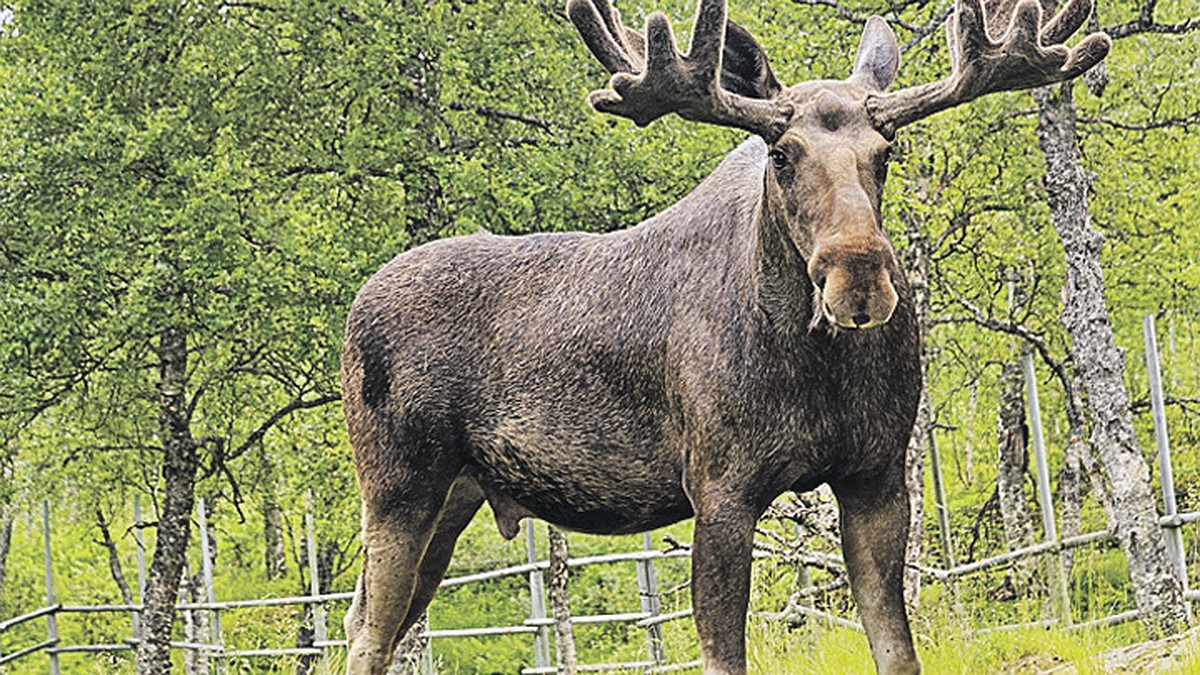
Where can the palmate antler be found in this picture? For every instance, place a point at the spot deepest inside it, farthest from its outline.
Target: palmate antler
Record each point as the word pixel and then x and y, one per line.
pixel 651 78
pixel 1029 53
pixel 724 79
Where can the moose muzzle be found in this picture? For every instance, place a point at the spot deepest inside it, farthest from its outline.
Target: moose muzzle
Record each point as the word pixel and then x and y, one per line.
pixel 853 282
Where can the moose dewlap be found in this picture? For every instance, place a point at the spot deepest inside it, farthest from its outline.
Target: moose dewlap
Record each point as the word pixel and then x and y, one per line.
pixel 756 337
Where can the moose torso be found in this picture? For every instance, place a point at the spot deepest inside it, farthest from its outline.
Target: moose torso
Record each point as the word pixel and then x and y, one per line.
pixel 575 373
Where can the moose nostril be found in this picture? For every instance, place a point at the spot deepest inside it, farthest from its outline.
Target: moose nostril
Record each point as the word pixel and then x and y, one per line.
pixel 860 319
pixel 818 280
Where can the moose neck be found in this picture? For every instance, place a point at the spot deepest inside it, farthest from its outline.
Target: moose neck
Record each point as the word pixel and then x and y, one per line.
pixel 783 290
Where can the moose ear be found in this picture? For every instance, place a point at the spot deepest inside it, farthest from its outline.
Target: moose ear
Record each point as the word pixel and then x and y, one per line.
pixel 878 55
pixel 744 67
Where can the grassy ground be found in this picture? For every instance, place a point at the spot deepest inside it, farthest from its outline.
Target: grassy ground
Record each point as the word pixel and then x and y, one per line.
pixel 774 649
pixel 838 651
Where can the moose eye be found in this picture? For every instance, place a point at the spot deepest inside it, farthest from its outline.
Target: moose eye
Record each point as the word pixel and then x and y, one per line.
pixel 778 159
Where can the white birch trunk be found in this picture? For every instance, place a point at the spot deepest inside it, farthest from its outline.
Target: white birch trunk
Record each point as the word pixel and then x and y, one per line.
pixel 560 602
pixel 6 525
pixel 916 259
pixel 1012 470
pixel 1100 366
pixel 407 659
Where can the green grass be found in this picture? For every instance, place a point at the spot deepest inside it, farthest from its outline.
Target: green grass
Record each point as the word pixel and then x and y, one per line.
pixel 825 650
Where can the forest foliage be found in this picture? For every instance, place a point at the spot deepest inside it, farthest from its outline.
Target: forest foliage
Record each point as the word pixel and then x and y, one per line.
pixel 238 169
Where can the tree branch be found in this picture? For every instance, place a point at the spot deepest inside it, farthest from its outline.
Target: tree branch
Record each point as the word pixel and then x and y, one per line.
pixel 1183 402
pixel 1145 23
pixel 922 32
pixel 497 114
pixel 842 10
pixel 1185 122
pixel 298 404
pixel 1142 26
pixel 114 559
pixel 979 317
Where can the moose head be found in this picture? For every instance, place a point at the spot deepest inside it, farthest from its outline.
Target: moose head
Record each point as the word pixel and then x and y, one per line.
pixel 829 140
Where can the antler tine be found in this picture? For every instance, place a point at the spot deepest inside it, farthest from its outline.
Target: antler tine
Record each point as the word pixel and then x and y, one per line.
pixel 1028 53
pixel 599 24
pixel 661 80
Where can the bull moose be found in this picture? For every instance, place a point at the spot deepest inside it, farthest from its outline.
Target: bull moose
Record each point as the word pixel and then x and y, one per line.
pixel 756 337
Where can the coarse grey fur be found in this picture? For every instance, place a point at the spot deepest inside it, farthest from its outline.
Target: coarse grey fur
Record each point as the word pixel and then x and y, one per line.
pixel 756 337
pixel 618 354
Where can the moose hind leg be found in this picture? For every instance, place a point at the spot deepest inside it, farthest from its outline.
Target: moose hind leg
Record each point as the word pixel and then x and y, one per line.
pixel 398 524
pixel 465 499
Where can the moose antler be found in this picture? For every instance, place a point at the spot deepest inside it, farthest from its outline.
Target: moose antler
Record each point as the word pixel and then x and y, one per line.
pixel 651 78
pixel 1029 53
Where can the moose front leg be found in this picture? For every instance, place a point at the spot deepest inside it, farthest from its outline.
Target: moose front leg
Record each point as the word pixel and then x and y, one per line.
pixel 874 523
pixel 721 557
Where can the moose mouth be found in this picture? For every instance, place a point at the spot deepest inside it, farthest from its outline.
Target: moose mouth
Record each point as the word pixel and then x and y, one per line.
pixel 858 321
pixel 859 318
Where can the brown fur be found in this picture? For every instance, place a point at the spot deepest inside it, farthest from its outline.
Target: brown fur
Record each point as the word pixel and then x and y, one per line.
pixel 621 382
pixel 756 337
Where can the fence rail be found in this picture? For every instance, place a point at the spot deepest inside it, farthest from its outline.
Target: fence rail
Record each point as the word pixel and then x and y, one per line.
pixel 650 619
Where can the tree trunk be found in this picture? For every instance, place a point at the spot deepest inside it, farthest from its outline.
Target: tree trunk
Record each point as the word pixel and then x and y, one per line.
pixel 274 550
pixel 174 525
pixel 1100 365
pixel 560 602
pixel 114 559
pixel 1077 464
pixel 6 525
pixel 1011 473
pixel 195 623
pixel 916 257
pixel 1070 487
pixel 411 650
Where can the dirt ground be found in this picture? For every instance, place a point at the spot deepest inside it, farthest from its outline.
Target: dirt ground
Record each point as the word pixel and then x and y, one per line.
pixel 1176 655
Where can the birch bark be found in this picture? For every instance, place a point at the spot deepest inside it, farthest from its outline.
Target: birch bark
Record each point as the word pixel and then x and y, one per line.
pixel 1012 469
pixel 411 650
pixel 6 524
pixel 916 259
pixel 174 525
pixel 1100 366
pixel 274 550
pixel 560 602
